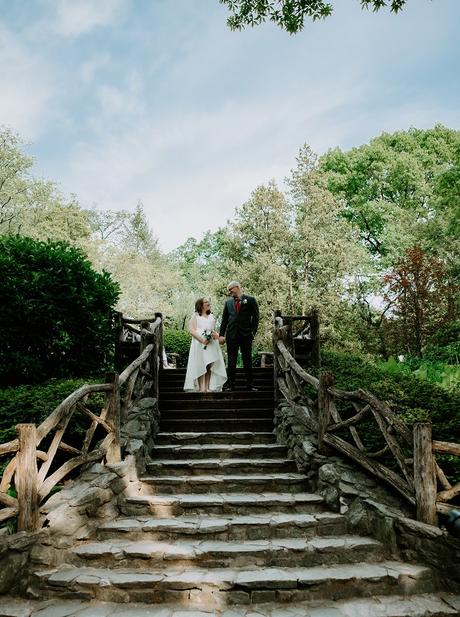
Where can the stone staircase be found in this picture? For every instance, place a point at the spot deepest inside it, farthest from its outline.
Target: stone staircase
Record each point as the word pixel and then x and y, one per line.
pixel 225 524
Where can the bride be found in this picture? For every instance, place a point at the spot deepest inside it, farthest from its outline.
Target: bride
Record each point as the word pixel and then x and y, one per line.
pixel 206 367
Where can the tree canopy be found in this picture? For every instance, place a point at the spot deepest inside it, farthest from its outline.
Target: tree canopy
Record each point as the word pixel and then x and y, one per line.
pixel 290 15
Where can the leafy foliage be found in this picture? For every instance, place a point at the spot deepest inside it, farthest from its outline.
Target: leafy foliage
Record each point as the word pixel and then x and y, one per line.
pixel 32 403
pixel 55 317
pixel 290 14
pixel 177 341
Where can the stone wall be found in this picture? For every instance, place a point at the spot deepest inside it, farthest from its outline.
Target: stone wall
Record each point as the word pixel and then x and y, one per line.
pixel 370 506
pixel 75 512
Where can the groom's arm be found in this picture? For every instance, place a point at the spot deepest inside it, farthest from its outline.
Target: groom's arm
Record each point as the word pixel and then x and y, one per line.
pixel 255 317
pixel 224 323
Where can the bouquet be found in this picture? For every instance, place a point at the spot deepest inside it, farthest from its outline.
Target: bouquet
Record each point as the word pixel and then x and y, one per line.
pixel 207 335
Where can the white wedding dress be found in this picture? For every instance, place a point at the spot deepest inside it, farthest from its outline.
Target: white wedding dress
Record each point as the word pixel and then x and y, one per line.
pixel 199 358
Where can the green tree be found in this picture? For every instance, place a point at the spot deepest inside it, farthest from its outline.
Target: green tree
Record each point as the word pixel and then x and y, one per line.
pixel 290 15
pixel 55 314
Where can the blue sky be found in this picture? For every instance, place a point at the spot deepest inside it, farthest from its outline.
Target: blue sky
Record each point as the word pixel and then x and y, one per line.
pixel 156 100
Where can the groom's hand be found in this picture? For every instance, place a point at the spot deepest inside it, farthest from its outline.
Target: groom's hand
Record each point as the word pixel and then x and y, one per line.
pixel 221 340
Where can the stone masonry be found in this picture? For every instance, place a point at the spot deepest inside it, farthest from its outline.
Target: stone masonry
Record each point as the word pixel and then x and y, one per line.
pixel 220 521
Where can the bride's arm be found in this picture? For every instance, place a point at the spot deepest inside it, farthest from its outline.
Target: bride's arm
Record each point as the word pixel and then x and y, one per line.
pixel 192 328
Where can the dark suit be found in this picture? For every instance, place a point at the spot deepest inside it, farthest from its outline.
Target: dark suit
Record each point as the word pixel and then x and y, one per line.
pixel 239 329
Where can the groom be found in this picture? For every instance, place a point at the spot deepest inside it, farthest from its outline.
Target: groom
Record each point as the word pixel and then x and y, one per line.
pixel 239 326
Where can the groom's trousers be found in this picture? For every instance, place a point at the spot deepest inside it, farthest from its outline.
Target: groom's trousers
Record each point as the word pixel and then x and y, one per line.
pixel 233 345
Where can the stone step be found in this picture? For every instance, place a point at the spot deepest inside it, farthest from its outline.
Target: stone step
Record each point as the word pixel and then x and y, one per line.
pixel 421 605
pixel 237 527
pixel 220 466
pixel 255 425
pixel 215 438
pixel 222 451
pixel 282 552
pixel 220 397
pixel 223 503
pixel 186 404
pixel 214 483
pixel 256 370
pixel 199 587
pixel 171 413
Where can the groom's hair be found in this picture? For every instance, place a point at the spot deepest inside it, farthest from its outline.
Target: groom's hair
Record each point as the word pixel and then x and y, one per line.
pixel 233 284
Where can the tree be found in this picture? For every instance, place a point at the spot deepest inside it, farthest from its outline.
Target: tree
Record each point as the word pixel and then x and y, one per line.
pixel 290 15
pixel 388 188
pixel 137 236
pixel 55 314
pixel 419 294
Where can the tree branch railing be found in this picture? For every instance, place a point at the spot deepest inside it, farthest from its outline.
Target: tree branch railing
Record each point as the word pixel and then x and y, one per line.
pixel 412 471
pixel 39 459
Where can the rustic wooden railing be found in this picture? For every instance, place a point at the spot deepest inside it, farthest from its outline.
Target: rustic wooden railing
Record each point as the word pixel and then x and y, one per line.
pixel 40 458
pixel 413 471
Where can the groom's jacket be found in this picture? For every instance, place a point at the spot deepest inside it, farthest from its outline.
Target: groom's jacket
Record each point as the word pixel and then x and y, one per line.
pixel 244 323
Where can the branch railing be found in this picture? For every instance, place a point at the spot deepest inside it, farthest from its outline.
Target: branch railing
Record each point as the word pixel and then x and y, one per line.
pixel 40 458
pixel 406 459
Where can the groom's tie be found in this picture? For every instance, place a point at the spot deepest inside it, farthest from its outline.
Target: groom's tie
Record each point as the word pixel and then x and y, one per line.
pixel 237 305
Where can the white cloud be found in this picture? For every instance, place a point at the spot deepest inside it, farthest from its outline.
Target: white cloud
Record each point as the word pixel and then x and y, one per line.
pixel 95 64
pixel 27 88
pixel 76 17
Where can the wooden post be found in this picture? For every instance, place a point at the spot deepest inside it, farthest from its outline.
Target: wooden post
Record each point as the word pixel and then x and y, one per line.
pixel 326 380
pixel 276 390
pixel 118 360
pixel 113 417
pixel 315 356
pixel 26 478
pixel 424 474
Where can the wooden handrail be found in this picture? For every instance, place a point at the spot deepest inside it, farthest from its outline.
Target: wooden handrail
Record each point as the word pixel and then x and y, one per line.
pixel 28 469
pixel 418 472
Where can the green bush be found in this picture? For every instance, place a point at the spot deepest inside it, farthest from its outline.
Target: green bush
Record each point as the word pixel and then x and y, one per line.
pixel 55 314
pixel 33 403
pixel 177 341
pixel 414 398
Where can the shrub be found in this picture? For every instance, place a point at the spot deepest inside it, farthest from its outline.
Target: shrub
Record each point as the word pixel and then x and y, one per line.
pixel 414 398
pixel 177 341
pixel 32 403
pixel 55 315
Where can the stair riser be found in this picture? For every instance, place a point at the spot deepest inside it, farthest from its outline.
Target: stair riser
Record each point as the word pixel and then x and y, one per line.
pixel 234 404
pixel 161 486
pixel 221 438
pixel 163 510
pixel 232 531
pixel 267 558
pixel 196 594
pixel 198 426
pixel 219 415
pixel 200 468
pixel 248 452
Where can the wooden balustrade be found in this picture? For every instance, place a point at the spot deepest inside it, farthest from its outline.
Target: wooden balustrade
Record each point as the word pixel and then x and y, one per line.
pixel 406 459
pixel 31 473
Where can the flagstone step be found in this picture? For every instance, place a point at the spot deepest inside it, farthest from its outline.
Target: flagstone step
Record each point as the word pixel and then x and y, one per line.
pixel 214 483
pixel 264 415
pixel 230 527
pixel 218 466
pixel 174 394
pixel 213 588
pixel 265 403
pixel 282 552
pixel 223 503
pixel 217 425
pixel 222 451
pixel 215 437
pixel 421 605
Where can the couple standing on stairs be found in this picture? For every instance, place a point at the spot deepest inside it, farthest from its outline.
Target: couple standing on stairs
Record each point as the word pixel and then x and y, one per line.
pixel 206 368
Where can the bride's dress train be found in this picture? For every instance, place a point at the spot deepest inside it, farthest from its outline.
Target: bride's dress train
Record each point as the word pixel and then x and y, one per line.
pixel 199 358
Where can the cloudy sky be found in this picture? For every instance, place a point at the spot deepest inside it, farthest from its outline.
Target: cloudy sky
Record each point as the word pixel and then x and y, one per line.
pixel 156 100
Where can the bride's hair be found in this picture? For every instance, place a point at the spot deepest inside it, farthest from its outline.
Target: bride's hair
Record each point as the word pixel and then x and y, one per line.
pixel 199 306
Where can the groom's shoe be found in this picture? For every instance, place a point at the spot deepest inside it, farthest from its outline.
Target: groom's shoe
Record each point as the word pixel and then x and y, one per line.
pixel 228 387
